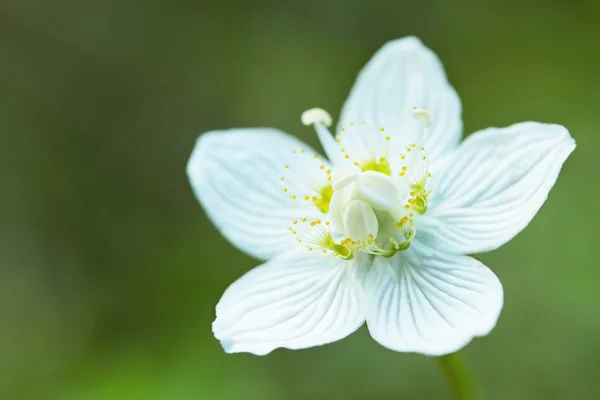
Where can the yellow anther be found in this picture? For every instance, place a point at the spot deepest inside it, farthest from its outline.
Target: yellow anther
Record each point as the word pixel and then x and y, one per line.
pixel 321 166
pixel 413 194
pixel 342 128
pixel 285 190
pixel 303 219
pixel 343 149
pixel 404 168
pixel 315 156
pixel 286 166
pixel 356 163
pixel 301 149
pixel 281 179
pixel 293 197
pixel 381 129
pixel 347 156
pixel 306 197
pixel 382 160
pixel 401 174
pixel 387 137
pixel 338 139
pixel 402 156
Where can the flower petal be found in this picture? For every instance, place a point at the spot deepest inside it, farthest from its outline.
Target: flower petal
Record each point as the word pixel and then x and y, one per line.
pixel 494 185
pixel 297 300
pixel 237 176
pixel 429 302
pixel 402 75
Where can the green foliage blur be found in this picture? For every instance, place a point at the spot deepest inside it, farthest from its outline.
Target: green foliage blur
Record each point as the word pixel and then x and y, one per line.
pixel 110 270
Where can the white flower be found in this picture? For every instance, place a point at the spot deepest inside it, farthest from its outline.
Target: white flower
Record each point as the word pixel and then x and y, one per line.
pixel 380 231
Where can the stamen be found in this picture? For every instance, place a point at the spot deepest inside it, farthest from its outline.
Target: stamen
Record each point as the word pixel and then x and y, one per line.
pixel 317 236
pixel 423 116
pixel 315 116
pixel 344 176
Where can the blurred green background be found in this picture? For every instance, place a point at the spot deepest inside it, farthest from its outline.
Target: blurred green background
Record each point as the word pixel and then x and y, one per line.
pixel 109 269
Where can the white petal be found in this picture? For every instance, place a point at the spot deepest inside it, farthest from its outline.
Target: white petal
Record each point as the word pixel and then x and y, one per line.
pixel 297 300
pixel 236 175
pixel 377 189
pixel 428 302
pixel 495 184
pixel 360 220
pixel 404 74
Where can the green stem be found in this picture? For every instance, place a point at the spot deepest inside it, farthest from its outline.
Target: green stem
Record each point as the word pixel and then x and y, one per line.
pixel 460 377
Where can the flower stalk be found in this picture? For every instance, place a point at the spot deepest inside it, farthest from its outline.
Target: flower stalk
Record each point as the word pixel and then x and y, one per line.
pixel 460 376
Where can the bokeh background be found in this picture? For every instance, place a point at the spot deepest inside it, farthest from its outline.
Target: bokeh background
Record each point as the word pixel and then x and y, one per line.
pixel 109 269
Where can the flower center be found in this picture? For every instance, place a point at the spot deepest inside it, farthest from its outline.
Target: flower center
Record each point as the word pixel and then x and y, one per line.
pixel 381 165
pixel 371 196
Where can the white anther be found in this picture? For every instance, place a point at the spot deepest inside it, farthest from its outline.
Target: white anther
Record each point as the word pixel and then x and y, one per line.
pixel 360 221
pixel 344 176
pixel 337 206
pixel 423 116
pixel 316 116
pixel 377 189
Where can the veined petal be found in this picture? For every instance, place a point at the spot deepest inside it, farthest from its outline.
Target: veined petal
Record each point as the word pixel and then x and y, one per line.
pixel 402 75
pixel 494 185
pixel 429 302
pixel 297 300
pixel 241 178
